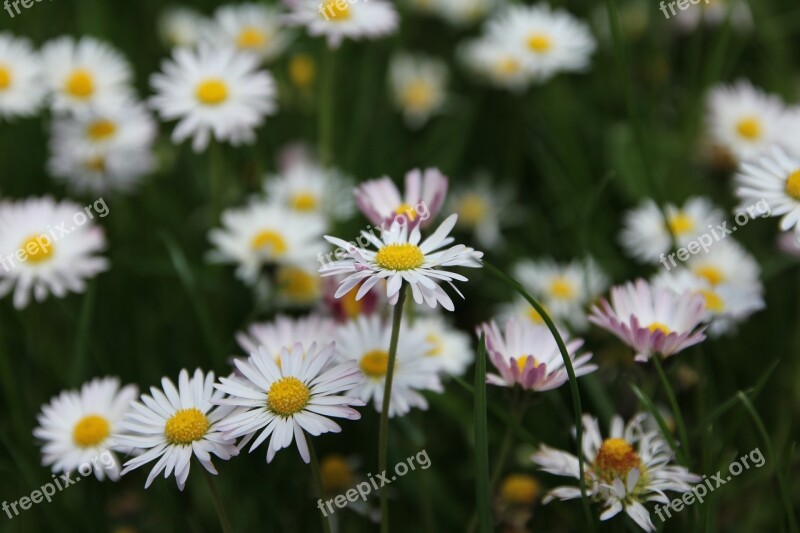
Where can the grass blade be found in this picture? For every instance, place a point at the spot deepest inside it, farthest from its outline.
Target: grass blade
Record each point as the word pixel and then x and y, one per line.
pixel 660 421
pixel 481 442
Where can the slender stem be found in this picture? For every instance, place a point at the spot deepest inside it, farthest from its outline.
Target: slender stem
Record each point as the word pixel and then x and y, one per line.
pixel 326 106
pixel 221 514
pixel 397 318
pixel 317 473
pixel 674 405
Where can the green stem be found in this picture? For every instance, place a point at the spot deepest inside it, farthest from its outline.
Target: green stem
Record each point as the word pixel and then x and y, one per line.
pixel 317 473
pixel 221 514
pixel 326 107
pixel 397 318
pixel 675 409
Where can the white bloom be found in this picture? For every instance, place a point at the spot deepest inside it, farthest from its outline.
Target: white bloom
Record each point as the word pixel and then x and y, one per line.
pixel 726 262
pixel 344 19
pixel 250 27
pixel 483 209
pixel 498 61
pixel 306 187
pixel 87 169
pixel 715 13
pixel 450 352
pixel 285 331
pixel 465 12
pixel 181 26
pixel 423 196
pixel 21 84
pixel 419 87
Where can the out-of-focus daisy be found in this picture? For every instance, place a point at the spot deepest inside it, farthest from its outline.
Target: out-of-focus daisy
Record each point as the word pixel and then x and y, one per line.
pixel 85 168
pixel 726 262
pixel 365 340
pixel 213 91
pixel 461 13
pixel 302 71
pixel 181 26
pixel 419 87
pixel 262 234
pixel 77 427
pixel 37 259
pixel 450 350
pixel 565 289
pixel 401 257
pixel 498 62
pixel 652 320
pixel 297 285
pixel 646 235
pixel 623 472
pixel 382 204
pixel 347 307
pixel 21 86
pixel 252 28
pixel 286 400
pixel 306 187
pixel 714 13
pixel 286 331
pixel 176 425
pixel 84 73
pixel 483 208
pixel 549 40
pixel 337 20
pixel 527 355
pixel 774 179
pixel 516 497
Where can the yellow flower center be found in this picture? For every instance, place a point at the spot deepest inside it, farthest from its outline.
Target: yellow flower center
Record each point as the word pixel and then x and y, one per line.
pixel 96 164
pixel 523 361
pixel 304 201
pixel 713 301
pixel 186 426
pixel 90 431
pixel 405 256
pixel 38 249
pixel 302 70
pixel 375 363
pixel 80 84
pixel 418 95
pixel 539 43
pixel 658 326
pixel 5 78
pixel 437 345
pixel 297 284
pixel 562 288
pixel 336 474
pixel 336 11
pixel 287 396
pixel 101 129
pixel 508 66
pixel 406 210
pixel 534 315
pixel 251 37
pixel 520 489
pixel 351 307
pixel 711 274
pixel 472 209
pixel 793 185
pixel 615 459
pixel 749 128
pixel 680 223
pixel 212 91
pixel 271 240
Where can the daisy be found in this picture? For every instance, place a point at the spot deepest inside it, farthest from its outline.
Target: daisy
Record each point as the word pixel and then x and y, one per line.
pixel 100 170
pixel 251 28
pixel 176 425
pixel 419 87
pixel 272 337
pixel 365 341
pixel 483 209
pixel 213 91
pixel 84 73
pixel 651 320
pixel 181 27
pixel 44 250
pixel 774 179
pixel 497 61
pixel 715 13
pixel 460 13
pixel 382 204
pixel 337 20
pixel 347 307
pixel 726 263
pixel 450 352
pixel 297 285
pixel 647 236
pixel 77 427
pixel 527 355
pixel 21 87
pixel 262 234
pixel 401 258
pixel 286 400
pixel 306 187
pixel 623 472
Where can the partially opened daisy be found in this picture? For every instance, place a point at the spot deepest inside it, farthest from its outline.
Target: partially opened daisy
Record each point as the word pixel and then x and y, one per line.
pixel 381 201
pixel 21 87
pixel 419 87
pixel 337 20
pixel 652 320
pixel 251 28
pixel 284 331
pixel 299 395
pixel 213 91
pixel 176 425
pixel 400 257
pixel 77 427
pixel 630 468
pixel 527 355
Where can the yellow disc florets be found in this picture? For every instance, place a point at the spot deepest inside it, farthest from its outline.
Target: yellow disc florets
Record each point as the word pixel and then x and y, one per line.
pixel 90 431
pixel 186 426
pixel 793 185
pixel 287 396
pixel 374 363
pixel 615 458
pixel 405 256
pixel 212 91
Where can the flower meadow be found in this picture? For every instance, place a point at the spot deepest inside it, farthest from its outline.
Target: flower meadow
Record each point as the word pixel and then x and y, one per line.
pixel 430 265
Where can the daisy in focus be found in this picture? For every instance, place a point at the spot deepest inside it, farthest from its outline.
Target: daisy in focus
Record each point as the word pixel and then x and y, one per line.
pixel 272 337
pixel 176 425
pixel 213 92
pixel 35 260
pixel 527 355
pixel 251 28
pixel 337 20
pixel 21 87
pixel 419 87
pixel 285 401
pixel 400 257
pixel 498 62
pixel 77 427
pixel 181 27
pixel 631 467
pixel 381 202
pixel 652 320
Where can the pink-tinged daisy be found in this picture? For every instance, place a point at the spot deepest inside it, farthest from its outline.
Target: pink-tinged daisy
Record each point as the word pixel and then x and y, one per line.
pixel 382 204
pixel 286 331
pixel 337 20
pixel 175 425
pixel 400 257
pixel 347 307
pixel 286 400
pixel 652 320
pixel 527 355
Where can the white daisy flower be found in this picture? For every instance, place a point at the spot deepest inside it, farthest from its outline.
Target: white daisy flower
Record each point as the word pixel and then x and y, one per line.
pixel 337 20
pixel 286 400
pixel 176 425
pixel 774 179
pixel 99 170
pixel 306 187
pixel 44 251
pixel 623 472
pixel 78 427
pixel 84 73
pixel 484 208
pixel 714 13
pixel 21 86
pixel 381 202
pixel 365 340
pixel 451 352
pixel 419 87
pixel 550 41
pixel 251 28
pixel 285 331
pixel 401 258
pixel 646 235
pixel 726 263
pixel 181 26
pixel 297 285
pixel 460 13
pixel 527 355
pixel 263 233
pixel 497 61
pixel 213 91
